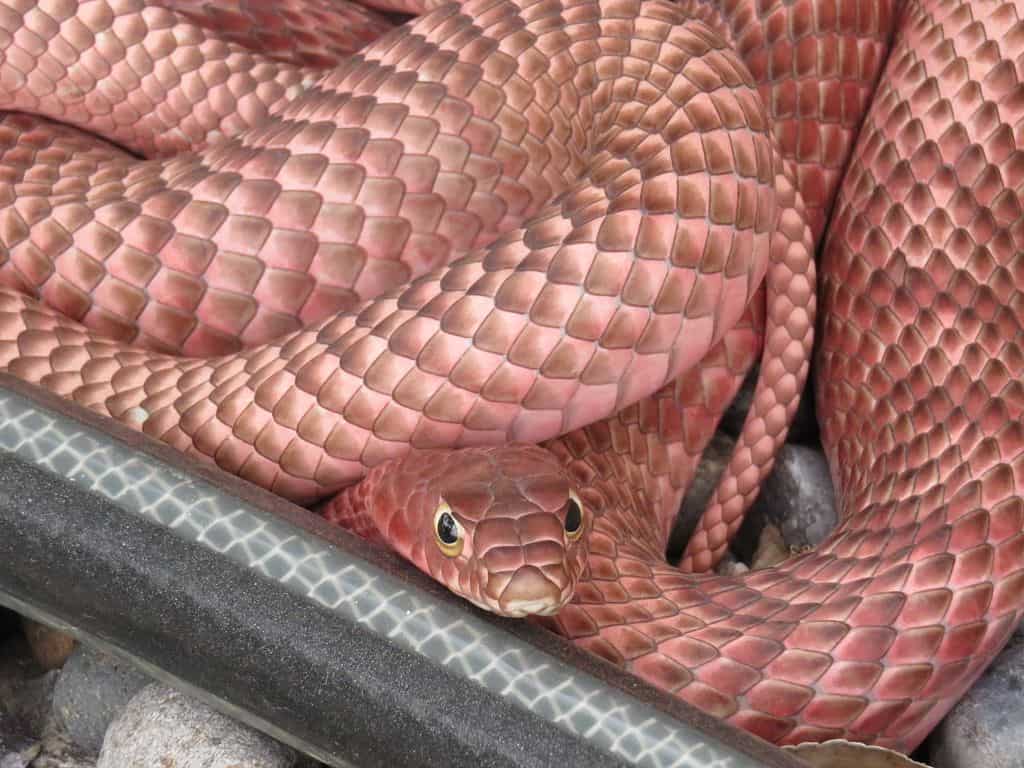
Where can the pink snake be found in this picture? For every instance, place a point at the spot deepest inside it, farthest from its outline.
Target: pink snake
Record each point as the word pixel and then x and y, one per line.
pixel 576 223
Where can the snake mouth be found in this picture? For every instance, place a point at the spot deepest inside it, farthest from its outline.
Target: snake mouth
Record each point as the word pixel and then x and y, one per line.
pixel 523 608
pixel 528 591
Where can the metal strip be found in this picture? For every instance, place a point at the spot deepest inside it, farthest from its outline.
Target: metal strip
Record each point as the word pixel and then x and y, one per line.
pixel 327 572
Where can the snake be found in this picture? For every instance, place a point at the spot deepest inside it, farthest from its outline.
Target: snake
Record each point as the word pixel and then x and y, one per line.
pixel 481 284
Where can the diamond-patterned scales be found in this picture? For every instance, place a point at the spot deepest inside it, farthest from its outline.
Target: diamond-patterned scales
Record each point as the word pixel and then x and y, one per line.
pixel 920 337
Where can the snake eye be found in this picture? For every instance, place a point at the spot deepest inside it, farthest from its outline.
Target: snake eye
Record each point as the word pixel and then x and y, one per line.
pixel 447 531
pixel 573 517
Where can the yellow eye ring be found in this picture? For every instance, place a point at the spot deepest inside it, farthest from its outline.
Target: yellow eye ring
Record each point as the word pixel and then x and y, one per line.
pixel 573 517
pixel 448 533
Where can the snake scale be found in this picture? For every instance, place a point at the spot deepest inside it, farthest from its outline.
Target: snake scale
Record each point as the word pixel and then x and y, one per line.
pixel 494 277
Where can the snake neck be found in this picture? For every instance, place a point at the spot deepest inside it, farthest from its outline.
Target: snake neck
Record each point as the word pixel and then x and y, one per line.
pixel 354 509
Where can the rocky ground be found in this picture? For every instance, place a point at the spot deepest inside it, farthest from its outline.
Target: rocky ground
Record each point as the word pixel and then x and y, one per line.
pixel 90 710
pixel 64 705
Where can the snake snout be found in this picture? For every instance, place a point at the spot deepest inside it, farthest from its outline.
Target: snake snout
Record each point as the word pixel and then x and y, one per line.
pixel 525 566
pixel 530 593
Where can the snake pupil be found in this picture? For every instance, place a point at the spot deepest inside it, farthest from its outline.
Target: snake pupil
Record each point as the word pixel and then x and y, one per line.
pixel 573 516
pixel 447 529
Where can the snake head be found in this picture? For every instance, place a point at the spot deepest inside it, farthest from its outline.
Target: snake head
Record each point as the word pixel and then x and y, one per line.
pixel 502 527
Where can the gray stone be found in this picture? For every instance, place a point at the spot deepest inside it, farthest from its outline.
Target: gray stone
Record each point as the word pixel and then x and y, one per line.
pixel 59 752
pixel 797 498
pixel 92 689
pixel 986 728
pixel 730 565
pixel 20 758
pixel 17 748
pixel 771 548
pixel 161 726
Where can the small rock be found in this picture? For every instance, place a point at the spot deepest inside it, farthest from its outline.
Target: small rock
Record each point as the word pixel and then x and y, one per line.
pixel 92 689
pixel 729 565
pixel 17 749
pixel 19 759
pixel 797 498
pixel 59 752
pixel 771 549
pixel 161 726
pixel 50 647
pixel 985 728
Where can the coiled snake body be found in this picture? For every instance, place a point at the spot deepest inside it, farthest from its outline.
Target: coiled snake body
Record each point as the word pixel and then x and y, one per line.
pixel 579 202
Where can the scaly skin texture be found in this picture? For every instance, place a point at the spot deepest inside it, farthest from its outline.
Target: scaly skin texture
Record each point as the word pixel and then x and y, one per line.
pixel 311 33
pixel 816 65
pixel 514 557
pixel 660 439
pixel 620 185
pixel 337 185
pixel 879 631
pixel 673 205
pixel 183 255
